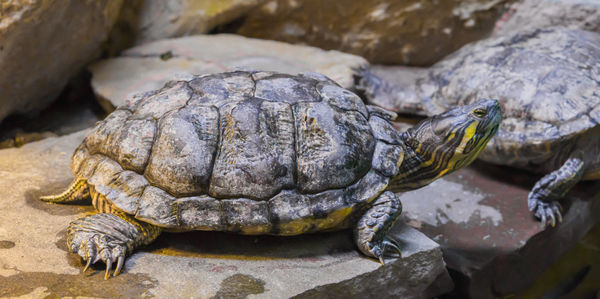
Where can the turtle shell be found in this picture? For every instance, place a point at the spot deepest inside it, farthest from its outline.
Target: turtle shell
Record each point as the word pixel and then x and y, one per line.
pixel 547 83
pixel 240 151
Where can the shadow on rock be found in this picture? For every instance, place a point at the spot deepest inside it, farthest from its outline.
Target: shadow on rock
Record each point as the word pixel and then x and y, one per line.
pixel 233 246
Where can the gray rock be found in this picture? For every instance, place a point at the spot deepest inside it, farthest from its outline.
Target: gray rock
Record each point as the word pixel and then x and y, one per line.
pixel 530 14
pixel 481 220
pixel 143 21
pixel 145 68
pixel 44 43
pixel 34 259
pixel 415 32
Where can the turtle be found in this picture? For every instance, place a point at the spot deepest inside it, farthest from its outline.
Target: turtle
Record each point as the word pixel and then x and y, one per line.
pixel 547 82
pixel 258 153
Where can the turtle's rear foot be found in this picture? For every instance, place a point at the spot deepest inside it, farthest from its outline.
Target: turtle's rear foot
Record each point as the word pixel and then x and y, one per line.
pixel 109 238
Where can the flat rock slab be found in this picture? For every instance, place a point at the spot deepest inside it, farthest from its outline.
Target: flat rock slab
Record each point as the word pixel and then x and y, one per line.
pixel 490 240
pixel 34 261
pixel 149 66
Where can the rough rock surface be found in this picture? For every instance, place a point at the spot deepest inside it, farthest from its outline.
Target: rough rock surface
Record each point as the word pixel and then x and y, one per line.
pixel 142 21
pixel 44 43
pixel 149 66
pixel 34 261
pixel 416 32
pixel 574 14
pixel 490 240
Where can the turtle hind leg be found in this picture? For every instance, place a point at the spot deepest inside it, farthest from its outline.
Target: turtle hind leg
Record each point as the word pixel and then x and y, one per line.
pixel 543 198
pixel 108 237
pixel 78 190
pixel 372 229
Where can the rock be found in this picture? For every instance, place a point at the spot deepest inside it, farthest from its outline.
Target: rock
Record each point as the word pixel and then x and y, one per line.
pixel 415 32
pixel 574 14
pixel 75 109
pixel 34 259
pixel 46 42
pixel 149 66
pixel 490 240
pixel 142 21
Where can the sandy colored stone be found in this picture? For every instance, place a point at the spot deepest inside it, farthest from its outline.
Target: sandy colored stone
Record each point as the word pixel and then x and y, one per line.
pixel 149 66
pixel 34 261
pixel 574 14
pixel 44 43
pixel 415 32
pixel 142 21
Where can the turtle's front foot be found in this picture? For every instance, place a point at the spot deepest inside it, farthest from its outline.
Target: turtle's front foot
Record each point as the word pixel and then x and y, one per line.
pixel 107 237
pixel 371 231
pixel 547 212
pixel 543 198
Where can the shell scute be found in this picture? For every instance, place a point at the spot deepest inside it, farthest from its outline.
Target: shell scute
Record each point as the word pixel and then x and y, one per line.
pixel 246 216
pixel 167 99
pixel 256 150
pixel 334 148
pixel 286 88
pixel 200 213
pixel 219 89
pixel 183 154
pixel 157 207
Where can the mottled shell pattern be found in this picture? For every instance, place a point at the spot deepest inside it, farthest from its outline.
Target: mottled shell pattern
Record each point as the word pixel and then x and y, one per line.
pixel 248 152
pixel 547 82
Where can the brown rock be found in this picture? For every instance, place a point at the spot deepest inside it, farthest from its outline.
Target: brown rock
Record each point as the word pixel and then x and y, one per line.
pixel 574 14
pixel 147 67
pixel 415 32
pixel 148 20
pixel 43 43
pixel 494 246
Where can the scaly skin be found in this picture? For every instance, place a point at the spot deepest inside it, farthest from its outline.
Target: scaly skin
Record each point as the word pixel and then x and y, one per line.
pixel 371 232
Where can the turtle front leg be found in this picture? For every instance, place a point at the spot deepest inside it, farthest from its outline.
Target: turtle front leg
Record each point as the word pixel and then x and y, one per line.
pixel 371 230
pixel 108 237
pixel 543 198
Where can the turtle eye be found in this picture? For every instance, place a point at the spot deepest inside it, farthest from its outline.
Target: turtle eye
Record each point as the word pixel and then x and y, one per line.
pixel 480 112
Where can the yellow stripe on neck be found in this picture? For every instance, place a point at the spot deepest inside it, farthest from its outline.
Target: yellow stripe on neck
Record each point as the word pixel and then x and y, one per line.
pixel 469 133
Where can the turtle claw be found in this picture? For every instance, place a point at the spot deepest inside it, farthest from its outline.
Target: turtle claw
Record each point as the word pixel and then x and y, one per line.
pixel 381 260
pixel 549 213
pixel 119 265
pixel 87 265
pixel 108 266
pixel 394 245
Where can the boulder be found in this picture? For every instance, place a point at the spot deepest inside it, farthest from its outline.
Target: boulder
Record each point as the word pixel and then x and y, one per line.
pixel 143 21
pixel 147 67
pixel 44 43
pixel 574 14
pixel 34 261
pixel 491 242
pixel 415 32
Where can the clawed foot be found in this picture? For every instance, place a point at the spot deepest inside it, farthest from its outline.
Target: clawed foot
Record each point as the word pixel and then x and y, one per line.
pixel 382 249
pixel 95 247
pixel 547 212
pixel 99 237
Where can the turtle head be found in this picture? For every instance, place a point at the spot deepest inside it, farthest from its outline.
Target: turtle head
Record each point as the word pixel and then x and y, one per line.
pixel 446 142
